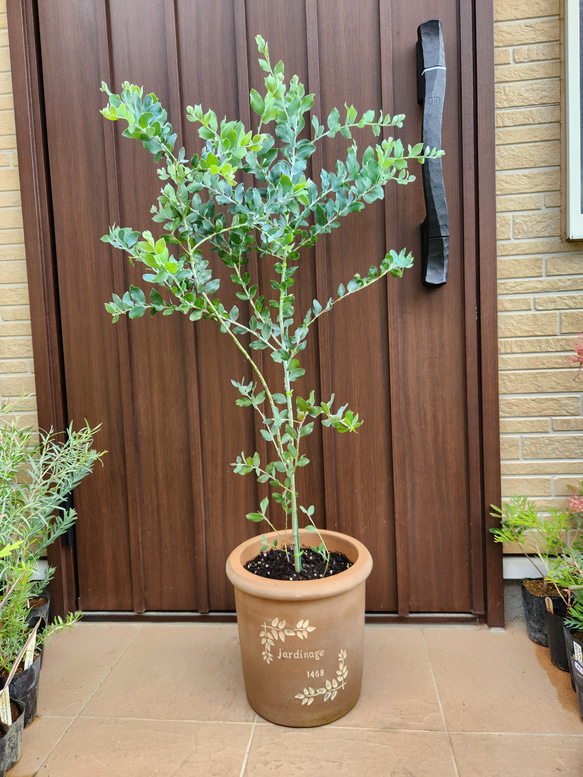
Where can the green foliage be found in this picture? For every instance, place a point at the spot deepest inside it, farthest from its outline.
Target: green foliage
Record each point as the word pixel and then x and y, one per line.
pixel 38 471
pixel 541 537
pixel 204 203
pixel 17 587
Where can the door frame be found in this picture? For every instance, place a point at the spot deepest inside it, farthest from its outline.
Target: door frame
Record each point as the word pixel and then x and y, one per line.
pixel 44 300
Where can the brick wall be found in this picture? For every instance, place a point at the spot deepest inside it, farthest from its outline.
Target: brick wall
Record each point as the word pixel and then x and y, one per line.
pixel 540 277
pixel 16 362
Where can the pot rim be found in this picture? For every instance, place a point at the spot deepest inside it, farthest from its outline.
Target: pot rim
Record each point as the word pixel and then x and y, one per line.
pixel 300 590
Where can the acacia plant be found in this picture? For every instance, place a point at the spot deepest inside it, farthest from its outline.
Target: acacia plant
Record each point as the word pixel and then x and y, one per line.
pixel 203 202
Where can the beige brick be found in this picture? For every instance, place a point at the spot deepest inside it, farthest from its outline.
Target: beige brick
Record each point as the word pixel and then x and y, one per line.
pixel 509 447
pixel 502 56
pixel 524 267
pixel 544 245
pixel 7 141
pixel 567 424
pixel 521 182
pixel 11 253
pixel 540 114
pixel 524 425
pixel 7 126
pixel 523 9
pixel 539 361
pixel 13 272
pixel 18 329
pixel 529 486
pixel 10 200
pixel 525 32
pixel 5 159
pixel 14 387
pixel 514 303
pixel 11 236
pixel 4 59
pixel 566 265
pixel 527 324
pixel 13 367
pixel 534 382
pixel 530 71
pixel 572 322
pixel 538 286
pixel 527 94
pixel 552 200
pixel 536 225
pixel 507 203
pixel 15 347
pixel 503 227
pixel 553 446
pixel 9 180
pixel 10 218
pixel 563 302
pixel 528 155
pixel 13 296
pixel 536 53
pixel 537 345
pixel 518 407
pixel 541 468
pixel 15 313
pixel 6 102
pixel 561 485
pixel 530 134
pixel 5 83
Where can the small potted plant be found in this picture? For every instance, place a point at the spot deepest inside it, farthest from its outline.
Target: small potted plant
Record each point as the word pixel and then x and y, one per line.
pixel 38 472
pixel 20 647
pixel 300 624
pixel 541 538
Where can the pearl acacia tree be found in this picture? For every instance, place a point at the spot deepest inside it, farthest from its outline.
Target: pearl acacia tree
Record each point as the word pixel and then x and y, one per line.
pixel 282 213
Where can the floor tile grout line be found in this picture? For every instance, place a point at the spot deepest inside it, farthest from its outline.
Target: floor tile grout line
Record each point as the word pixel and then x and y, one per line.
pixel 76 717
pixel 112 667
pixel 439 702
pixel 248 749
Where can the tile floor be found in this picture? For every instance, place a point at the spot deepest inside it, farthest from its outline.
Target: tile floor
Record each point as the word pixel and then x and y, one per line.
pixel 122 700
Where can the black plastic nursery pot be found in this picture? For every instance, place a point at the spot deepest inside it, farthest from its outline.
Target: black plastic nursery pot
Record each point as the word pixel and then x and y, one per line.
pixel 534 614
pixel 40 611
pixel 24 688
pixel 11 738
pixel 556 636
pixel 575 657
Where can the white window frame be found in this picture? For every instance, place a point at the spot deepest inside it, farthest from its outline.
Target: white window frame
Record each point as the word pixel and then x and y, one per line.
pixel 573 68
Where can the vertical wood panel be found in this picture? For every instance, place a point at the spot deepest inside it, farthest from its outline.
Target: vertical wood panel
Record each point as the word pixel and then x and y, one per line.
pixel 349 45
pixel 79 198
pixel 428 384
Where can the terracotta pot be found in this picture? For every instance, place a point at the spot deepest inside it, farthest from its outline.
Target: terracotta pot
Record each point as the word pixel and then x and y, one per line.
pixel 301 641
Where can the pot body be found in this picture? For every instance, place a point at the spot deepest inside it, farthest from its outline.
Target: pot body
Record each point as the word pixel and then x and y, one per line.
pixel 302 641
pixel 575 657
pixel 11 741
pixel 24 688
pixel 534 614
pixel 556 636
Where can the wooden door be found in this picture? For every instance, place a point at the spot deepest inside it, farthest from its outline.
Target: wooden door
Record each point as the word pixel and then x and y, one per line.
pixel 418 364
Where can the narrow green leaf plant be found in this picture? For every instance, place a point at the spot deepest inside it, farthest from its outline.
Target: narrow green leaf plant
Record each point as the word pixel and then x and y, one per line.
pixel 205 204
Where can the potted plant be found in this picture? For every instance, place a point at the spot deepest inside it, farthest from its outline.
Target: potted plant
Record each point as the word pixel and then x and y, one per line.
pixel 300 668
pixel 38 472
pixel 20 647
pixel 541 538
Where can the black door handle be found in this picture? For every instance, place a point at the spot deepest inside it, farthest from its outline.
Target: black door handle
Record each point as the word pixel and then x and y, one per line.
pixel 430 93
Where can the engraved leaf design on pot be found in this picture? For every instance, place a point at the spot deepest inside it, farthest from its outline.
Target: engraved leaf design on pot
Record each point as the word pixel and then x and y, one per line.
pixel 331 687
pixel 278 630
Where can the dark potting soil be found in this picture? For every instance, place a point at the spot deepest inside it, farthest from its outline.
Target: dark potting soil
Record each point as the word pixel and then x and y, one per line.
pixel 279 565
